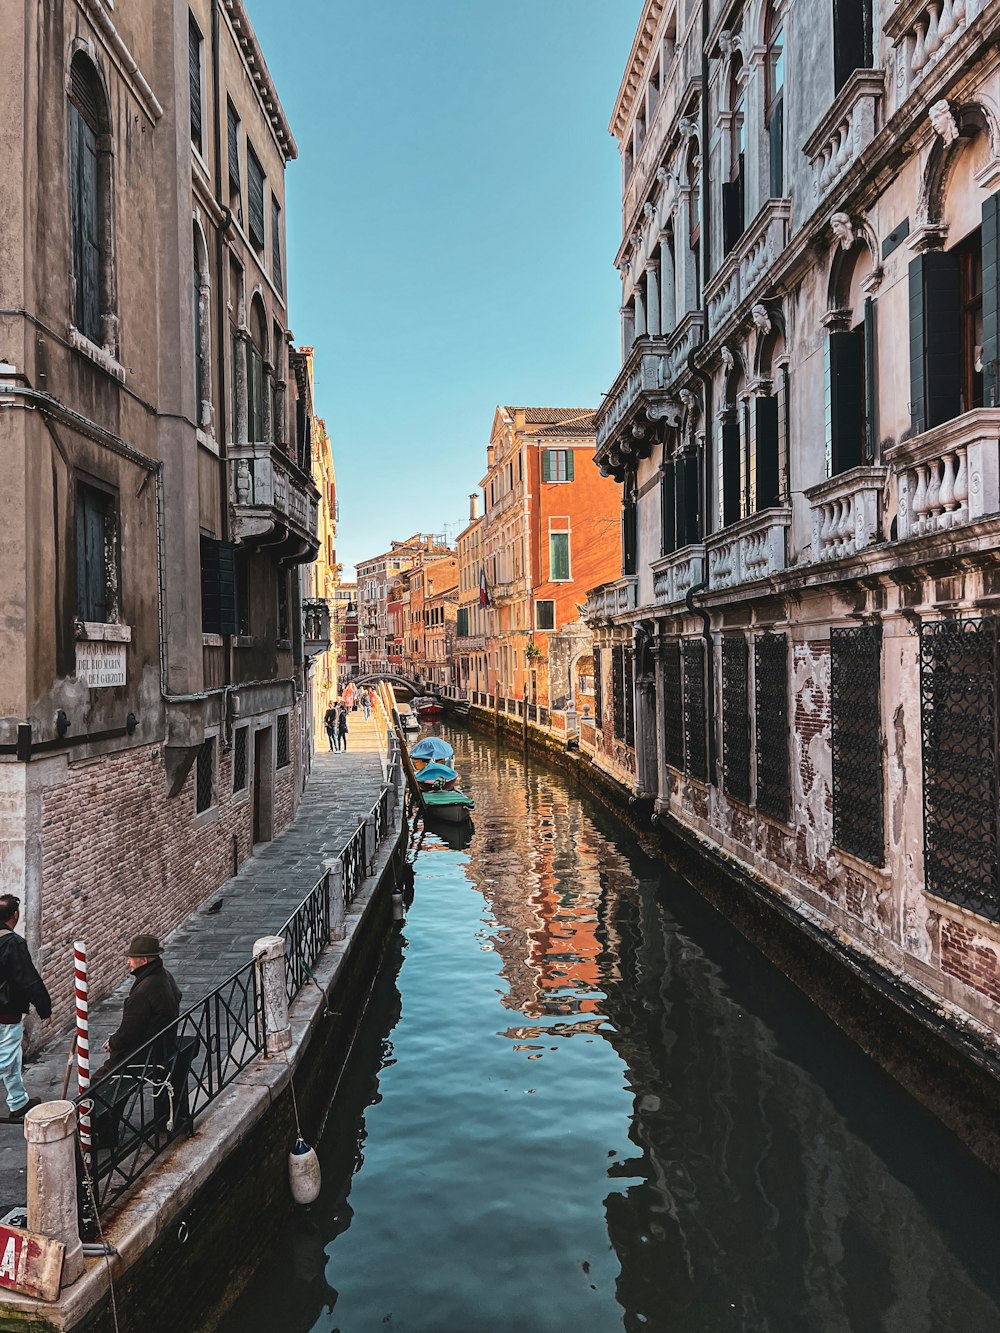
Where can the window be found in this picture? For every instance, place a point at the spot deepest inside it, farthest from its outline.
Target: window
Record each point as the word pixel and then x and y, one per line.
pixel 462 625
pixel 557 465
pixel 673 705
pixel 204 776
pixel 240 759
pixel 692 287
pixel 774 121
pixel 284 622
pixel 195 49
pixel 235 180
pixel 90 204
pixel 96 555
pixel 735 718
pixel 276 243
pixel 558 556
pixel 733 189
pixel 282 754
pixel 852 39
pixel 598 690
pixel 256 355
pixel 218 586
pixel 856 734
pixel 970 274
pixel 771 700
pixel 545 614
pixel 255 199
pixel 630 531
pixel 695 735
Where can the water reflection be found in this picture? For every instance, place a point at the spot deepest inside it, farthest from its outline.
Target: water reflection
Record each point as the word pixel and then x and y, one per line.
pixel 580 1101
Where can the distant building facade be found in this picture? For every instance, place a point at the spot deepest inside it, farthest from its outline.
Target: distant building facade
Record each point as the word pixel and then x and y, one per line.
pixel 470 623
pixel 375 578
pixel 798 659
pixel 156 488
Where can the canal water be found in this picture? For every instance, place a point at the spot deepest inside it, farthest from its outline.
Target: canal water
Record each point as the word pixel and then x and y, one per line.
pixel 581 1102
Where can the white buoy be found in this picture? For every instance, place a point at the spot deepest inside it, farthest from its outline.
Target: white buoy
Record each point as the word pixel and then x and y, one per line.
pixel 397 905
pixel 304 1175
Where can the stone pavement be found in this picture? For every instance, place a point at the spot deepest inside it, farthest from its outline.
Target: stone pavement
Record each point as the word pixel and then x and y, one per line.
pixel 209 945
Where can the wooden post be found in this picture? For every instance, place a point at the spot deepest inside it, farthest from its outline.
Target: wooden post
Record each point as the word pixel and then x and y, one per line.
pixel 407 764
pixel 524 718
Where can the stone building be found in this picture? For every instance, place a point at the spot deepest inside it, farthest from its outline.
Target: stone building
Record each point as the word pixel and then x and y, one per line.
pixel 550 531
pixel 799 662
pixel 375 579
pixel 156 497
pixel 469 662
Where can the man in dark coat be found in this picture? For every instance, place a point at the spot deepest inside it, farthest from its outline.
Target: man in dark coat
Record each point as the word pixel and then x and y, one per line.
pixel 153 1004
pixel 20 988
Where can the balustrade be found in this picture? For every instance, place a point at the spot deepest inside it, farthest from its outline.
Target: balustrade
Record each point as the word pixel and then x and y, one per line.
pixel 749 550
pixel 676 574
pixel 758 249
pixel 922 34
pixel 846 512
pixel 846 130
pixel 612 599
pixel 948 476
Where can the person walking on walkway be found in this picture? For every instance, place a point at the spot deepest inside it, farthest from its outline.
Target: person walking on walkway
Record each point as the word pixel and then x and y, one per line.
pixel 366 703
pixel 152 1005
pixel 342 729
pixel 330 723
pixel 20 988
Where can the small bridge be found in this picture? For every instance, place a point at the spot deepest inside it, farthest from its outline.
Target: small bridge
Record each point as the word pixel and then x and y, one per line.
pixel 404 683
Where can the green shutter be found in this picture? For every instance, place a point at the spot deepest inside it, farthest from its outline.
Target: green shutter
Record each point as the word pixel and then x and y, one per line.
pixel 255 198
pixel 546 465
pixel 194 78
pixel 768 485
pixel 871 424
pixel 935 339
pixel 569 464
pixel 846 401
pixel 730 472
pixel 558 555
pixel 234 145
pixel 668 513
pixel 991 301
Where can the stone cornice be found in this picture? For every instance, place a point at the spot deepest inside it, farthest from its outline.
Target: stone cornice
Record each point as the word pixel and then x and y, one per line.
pixel 635 68
pixel 253 58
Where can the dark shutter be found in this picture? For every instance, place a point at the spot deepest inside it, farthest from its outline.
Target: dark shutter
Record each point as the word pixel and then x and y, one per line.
pixel 91 563
pixel 569 464
pixel 730 472
pixel 768 483
pixel 776 135
pixel 194 78
pixel 629 534
pixel 852 39
pixel 991 301
pixel 935 338
pixel 847 395
pixel 86 224
pixel 276 244
pixel 546 465
pixel 255 198
pixel 668 513
pixel 732 213
pixel 218 586
pixel 871 401
pixel 688 484
pixel 234 146
pixel 598 691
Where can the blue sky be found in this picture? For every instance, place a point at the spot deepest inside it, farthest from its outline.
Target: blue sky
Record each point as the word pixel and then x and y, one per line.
pixel 452 221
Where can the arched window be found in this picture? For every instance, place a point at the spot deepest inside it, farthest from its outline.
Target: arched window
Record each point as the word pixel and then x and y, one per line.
pixel 90 205
pixel 850 368
pixel 256 357
pixel 202 296
pixel 733 190
pixel 774 111
pixel 771 426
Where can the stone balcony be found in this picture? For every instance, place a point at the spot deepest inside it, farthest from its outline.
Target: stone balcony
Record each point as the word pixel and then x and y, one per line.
pixel 922 34
pixel 507 590
pixel 316 631
pixel 274 503
pixel 752 549
pixel 846 130
pixel 846 512
pixel 611 599
pixel 470 643
pixel 948 476
pixel 675 574
pixel 749 260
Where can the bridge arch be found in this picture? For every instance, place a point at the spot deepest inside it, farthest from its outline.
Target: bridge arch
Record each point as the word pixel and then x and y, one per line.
pixel 391 678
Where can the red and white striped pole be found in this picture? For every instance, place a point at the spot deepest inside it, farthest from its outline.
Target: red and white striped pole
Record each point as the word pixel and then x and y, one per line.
pixel 82 1041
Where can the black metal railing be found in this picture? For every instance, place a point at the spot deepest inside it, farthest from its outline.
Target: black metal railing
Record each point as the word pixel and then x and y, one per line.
pixel 543 715
pixel 140 1106
pixel 532 712
pixel 306 934
pixel 355 867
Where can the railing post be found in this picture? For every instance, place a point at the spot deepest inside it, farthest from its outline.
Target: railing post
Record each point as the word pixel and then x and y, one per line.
pixel 269 956
pixel 335 869
pixel 371 843
pixel 50 1130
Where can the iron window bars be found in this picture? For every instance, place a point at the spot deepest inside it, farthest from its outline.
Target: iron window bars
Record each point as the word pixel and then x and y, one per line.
pixel 736 717
pixel 771 699
pixel 695 744
pixel 856 734
pixel 673 704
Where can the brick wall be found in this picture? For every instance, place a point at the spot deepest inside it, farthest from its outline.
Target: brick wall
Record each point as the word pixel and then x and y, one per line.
pixel 119 857
pixel 970 958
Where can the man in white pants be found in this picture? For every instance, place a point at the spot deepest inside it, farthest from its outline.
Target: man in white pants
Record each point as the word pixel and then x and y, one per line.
pixel 20 988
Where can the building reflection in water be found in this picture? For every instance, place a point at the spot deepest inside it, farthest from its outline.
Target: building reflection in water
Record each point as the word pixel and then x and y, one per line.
pixel 760 1182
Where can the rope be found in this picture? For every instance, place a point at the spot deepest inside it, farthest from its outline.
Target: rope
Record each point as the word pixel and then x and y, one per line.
pixel 89 1185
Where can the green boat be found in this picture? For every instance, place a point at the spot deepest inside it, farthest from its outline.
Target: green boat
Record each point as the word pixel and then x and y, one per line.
pixel 453 807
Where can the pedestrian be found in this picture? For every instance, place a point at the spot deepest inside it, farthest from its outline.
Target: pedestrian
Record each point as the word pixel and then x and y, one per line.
pixel 366 702
pixel 330 723
pixel 151 1006
pixel 20 988
pixel 342 728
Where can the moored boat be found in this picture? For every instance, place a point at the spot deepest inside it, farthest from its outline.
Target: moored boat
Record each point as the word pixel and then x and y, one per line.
pixel 432 749
pixel 436 776
pixel 452 807
pixel 427 706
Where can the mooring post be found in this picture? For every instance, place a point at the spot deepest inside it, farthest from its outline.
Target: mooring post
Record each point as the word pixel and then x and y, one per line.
pixel 269 955
pixel 337 906
pixel 50 1131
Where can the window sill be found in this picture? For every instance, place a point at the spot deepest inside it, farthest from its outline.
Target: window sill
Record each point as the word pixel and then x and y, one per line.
pixel 207 442
pixel 99 355
pixel 96 631
pixel 213 641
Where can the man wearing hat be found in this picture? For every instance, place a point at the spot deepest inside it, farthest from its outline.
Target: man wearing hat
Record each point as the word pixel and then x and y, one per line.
pixel 153 1003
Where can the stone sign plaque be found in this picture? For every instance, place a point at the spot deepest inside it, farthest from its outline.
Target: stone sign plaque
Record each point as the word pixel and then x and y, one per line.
pixel 100 665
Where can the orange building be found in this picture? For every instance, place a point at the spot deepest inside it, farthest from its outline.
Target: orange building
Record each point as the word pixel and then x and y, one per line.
pixel 551 531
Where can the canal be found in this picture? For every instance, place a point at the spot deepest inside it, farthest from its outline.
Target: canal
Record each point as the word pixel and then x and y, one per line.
pixel 580 1101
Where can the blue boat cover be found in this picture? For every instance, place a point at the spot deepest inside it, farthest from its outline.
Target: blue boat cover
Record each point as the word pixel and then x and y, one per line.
pixel 433 747
pixel 436 772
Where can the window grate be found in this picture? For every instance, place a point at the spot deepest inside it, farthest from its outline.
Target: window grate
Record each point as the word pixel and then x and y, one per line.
pixel 958 719
pixel 240 759
pixel 695 749
pixel 205 772
pixel 628 689
pixel 735 718
pixel 598 691
pixel 771 699
pixel 673 705
pixel 617 694
pixel 282 759
pixel 856 728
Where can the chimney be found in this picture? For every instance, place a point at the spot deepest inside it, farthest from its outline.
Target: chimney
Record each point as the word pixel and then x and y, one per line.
pixel 473 506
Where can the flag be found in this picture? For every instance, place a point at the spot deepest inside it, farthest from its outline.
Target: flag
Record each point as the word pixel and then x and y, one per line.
pixel 484 592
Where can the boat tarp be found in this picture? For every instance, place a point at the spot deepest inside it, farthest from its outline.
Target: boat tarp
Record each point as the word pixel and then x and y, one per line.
pixel 431 748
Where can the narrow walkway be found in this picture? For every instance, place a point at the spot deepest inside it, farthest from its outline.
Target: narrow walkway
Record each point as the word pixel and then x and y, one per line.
pixel 218 938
